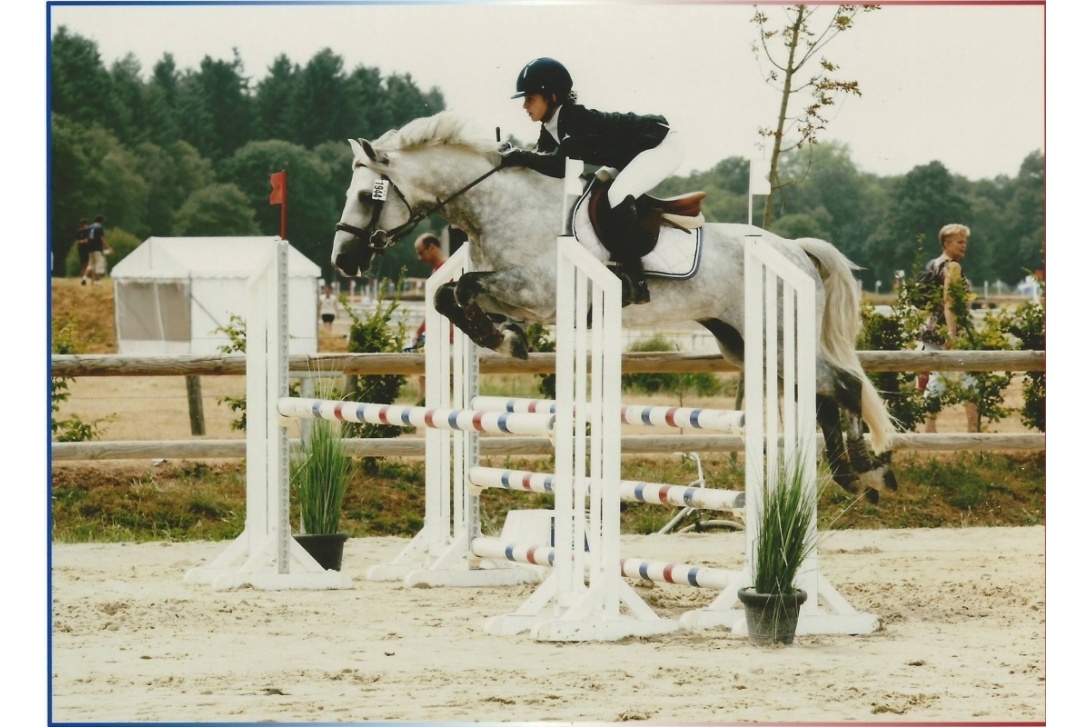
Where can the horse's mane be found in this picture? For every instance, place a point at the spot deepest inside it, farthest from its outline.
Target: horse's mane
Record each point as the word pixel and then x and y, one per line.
pixel 444 128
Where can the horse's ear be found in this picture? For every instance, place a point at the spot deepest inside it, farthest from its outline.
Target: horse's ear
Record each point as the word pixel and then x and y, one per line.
pixel 361 149
pixel 372 154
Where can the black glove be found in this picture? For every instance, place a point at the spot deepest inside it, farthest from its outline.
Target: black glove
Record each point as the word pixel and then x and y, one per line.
pixel 514 157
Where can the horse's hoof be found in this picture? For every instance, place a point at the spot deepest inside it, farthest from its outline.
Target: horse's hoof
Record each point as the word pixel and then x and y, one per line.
pixel 847 482
pixel 878 478
pixel 889 480
pixel 514 342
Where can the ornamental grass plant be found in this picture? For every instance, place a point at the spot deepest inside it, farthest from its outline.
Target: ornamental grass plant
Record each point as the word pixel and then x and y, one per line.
pixel 786 530
pixel 319 477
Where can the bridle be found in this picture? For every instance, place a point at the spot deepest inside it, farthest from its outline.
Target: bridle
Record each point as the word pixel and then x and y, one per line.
pixel 378 240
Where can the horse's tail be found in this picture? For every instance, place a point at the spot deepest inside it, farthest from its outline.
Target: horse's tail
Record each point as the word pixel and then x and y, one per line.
pixel 840 328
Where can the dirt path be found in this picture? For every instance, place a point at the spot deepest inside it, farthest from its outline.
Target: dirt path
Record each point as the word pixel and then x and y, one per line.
pixel 962 639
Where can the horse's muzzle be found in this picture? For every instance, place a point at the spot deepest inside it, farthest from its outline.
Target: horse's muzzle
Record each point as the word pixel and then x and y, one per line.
pixel 346 266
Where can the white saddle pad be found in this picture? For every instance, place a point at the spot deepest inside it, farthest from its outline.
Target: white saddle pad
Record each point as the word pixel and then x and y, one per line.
pixel 676 255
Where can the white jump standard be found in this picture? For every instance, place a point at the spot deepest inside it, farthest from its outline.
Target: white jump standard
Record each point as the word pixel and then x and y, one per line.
pixel 265 556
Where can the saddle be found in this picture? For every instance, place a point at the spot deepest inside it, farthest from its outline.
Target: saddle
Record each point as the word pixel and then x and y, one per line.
pixel 681 212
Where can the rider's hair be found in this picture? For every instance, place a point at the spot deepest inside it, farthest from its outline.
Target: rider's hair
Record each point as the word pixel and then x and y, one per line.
pixel 572 97
pixel 950 230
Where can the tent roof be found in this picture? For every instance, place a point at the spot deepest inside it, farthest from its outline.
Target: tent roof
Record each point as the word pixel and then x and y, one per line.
pixel 206 257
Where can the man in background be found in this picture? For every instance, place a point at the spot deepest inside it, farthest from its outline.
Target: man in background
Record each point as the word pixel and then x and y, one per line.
pixel 942 327
pixel 97 250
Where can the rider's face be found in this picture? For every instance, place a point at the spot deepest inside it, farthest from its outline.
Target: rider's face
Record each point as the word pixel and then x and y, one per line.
pixel 536 106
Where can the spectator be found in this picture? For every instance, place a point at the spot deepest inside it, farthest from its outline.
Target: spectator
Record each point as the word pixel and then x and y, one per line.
pixel 82 246
pixel 328 307
pixel 430 251
pixel 97 250
pixel 942 327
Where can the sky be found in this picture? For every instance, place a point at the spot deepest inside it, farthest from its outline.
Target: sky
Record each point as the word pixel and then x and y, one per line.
pixel 961 84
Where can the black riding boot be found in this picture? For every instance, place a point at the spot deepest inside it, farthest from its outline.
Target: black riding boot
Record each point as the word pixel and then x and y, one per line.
pixel 630 250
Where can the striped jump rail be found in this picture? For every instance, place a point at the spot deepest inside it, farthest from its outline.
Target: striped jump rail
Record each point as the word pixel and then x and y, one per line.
pixel 722 420
pixel 465 420
pixel 656 571
pixel 700 498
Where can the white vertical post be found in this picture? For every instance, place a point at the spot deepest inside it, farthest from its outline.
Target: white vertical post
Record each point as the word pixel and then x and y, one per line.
pixel 278 436
pixel 564 437
pixel 271 558
pixel 754 398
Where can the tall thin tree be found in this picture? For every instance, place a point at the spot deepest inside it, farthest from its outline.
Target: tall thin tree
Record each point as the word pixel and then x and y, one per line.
pixel 802 39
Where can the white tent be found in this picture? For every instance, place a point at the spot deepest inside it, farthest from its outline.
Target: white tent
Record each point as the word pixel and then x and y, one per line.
pixel 172 293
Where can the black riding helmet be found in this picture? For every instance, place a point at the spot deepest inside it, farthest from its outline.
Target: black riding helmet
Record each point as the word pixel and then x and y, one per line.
pixel 545 76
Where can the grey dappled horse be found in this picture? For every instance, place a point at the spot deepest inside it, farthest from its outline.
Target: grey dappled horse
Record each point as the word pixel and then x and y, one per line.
pixel 512 217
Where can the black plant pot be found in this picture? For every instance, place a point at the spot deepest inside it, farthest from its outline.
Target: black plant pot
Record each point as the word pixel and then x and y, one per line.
pixel 771 618
pixel 327 549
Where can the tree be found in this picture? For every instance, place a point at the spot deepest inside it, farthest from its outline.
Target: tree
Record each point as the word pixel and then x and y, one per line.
pixel 403 101
pixel 726 186
pixel 91 173
pixel 312 210
pixel 218 210
pixel 922 202
pixel 828 181
pixel 801 43
pixel 131 101
pixel 321 101
pixel 172 174
pixel 274 101
pixel 79 85
pixel 1025 220
pixel 161 101
pixel 369 118
pixel 215 108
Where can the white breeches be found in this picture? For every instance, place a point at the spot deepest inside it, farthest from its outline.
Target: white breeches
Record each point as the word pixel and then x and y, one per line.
pixel 648 169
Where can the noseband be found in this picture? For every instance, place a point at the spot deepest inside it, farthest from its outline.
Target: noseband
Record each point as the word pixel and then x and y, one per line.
pixel 378 239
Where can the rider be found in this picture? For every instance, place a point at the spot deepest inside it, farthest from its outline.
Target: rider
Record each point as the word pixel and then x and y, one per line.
pixel 644 148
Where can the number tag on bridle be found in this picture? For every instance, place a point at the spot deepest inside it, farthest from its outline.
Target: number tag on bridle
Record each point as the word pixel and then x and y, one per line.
pixel 380 189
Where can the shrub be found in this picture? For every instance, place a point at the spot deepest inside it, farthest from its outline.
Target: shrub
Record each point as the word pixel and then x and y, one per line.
pixel 1028 326
pixel 537 338
pixel 377 332
pixel 900 330
pixel 64 340
pixel 236 343
pixel 697 384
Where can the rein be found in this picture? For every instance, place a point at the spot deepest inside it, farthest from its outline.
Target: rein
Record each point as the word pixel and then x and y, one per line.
pixel 377 239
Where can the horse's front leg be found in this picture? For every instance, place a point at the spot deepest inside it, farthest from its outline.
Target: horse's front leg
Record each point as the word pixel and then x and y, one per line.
pixel 507 339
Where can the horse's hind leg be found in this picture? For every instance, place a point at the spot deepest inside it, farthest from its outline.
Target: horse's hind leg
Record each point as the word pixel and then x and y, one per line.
pixel 828 417
pixel 874 474
pixel 478 325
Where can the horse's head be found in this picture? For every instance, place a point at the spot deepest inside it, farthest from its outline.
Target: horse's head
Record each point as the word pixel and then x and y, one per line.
pixel 429 166
pixel 373 208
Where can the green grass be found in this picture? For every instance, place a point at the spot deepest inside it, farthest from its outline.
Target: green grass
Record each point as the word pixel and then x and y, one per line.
pixel 186 501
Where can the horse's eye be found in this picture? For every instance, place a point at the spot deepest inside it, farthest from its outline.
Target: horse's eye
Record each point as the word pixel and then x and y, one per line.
pixel 363 196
